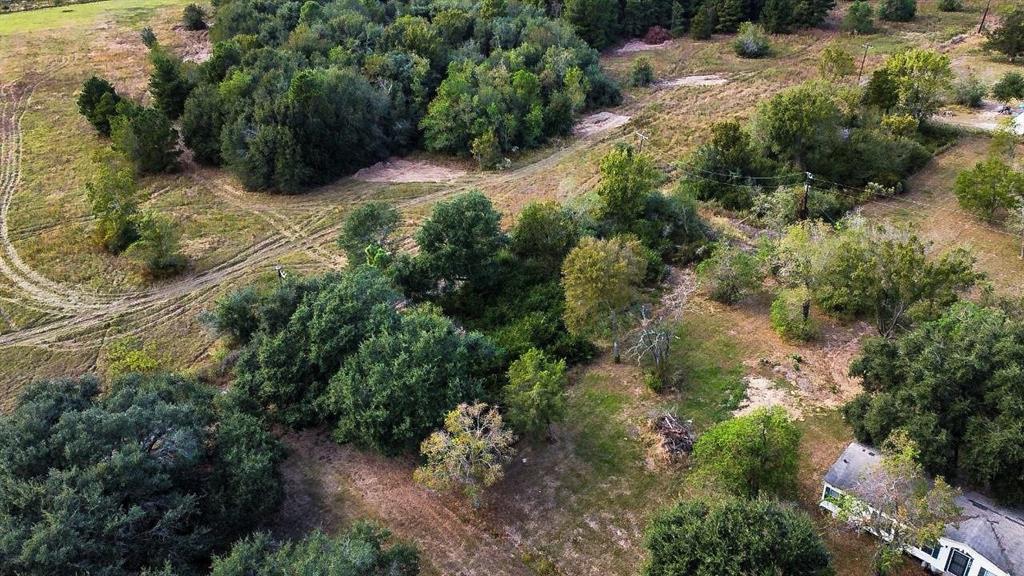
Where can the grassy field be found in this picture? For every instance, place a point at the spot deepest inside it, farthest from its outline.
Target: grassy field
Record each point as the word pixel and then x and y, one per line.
pixel 574 506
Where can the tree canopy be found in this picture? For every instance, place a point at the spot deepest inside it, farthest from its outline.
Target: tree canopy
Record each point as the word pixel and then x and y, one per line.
pixel 953 385
pixel 757 537
pixel 152 471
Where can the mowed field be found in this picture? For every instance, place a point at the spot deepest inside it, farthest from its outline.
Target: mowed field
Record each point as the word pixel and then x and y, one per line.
pixel 575 506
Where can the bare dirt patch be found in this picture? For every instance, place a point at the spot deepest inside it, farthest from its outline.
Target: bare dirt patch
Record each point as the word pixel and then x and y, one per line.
pixel 765 393
pixel 401 170
pixel 196 45
pixel 698 80
pixel 989 117
pixel 599 122
pixel 339 480
pixel 640 46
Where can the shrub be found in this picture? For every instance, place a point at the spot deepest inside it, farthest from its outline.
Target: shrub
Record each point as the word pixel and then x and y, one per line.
pixel 836 63
pixel 790 314
pixel 146 138
pixel 641 73
pixel 98 103
pixel 859 18
pixel 193 17
pixel 1009 87
pixel 469 454
pixel 657 35
pixel 735 537
pixel 168 83
pixel 361 551
pixel 729 274
pixel 202 121
pixel 148 37
pixel 951 5
pixel 752 455
pixel 158 246
pixel 1008 38
pixel 367 230
pixel 897 10
pixel 751 42
pixel 113 201
pixel 969 91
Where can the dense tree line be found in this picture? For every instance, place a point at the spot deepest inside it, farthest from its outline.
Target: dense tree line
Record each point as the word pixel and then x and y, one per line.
pixel 154 472
pixel 601 22
pixel 299 94
pixel 953 385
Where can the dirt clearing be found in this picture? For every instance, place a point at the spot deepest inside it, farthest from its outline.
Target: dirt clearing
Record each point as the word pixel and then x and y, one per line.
pixel 599 122
pixel 402 171
pixel 765 393
pixel 700 80
pixel 640 46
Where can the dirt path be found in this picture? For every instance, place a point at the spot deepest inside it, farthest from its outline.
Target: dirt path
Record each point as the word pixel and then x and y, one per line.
pixel 449 535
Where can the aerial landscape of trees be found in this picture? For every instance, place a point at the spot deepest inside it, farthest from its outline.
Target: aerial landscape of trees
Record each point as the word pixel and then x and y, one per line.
pixel 466 339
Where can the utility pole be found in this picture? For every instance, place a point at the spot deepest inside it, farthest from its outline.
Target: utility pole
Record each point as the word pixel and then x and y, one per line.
pixel 802 210
pixel 1021 224
pixel 984 15
pixel 862 61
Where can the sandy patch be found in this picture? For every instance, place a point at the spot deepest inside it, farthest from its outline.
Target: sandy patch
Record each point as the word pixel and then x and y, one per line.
pixel 765 393
pixel 599 122
pixel 641 46
pixel 987 118
pixel 400 170
pixel 702 80
pixel 196 45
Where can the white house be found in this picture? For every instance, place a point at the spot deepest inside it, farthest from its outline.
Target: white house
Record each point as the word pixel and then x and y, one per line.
pixel 987 541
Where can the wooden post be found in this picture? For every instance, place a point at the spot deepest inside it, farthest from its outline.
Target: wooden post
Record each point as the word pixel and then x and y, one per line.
pixel 862 61
pixel 984 15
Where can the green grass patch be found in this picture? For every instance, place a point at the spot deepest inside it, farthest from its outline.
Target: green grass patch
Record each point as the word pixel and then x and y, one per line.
pixel 127 11
pixel 604 441
pixel 710 370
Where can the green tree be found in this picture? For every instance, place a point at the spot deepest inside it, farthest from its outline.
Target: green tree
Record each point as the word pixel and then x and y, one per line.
pixel 148 37
pixel 470 454
pixel 859 18
pixel 363 550
pixel 988 188
pixel 704 22
pixel 159 246
pixel 304 332
pixel 1009 87
pixel 952 385
pixel 193 17
pixel 897 10
pixel 753 455
pixel 168 83
pixel 628 178
pixel 113 200
pixel 146 138
pixel 544 234
pixel 535 393
pixel 461 238
pixel 725 167
pixel 835 63
pixel 595 21
pixel 601 279
pixel 367 232
pixel 1008 37
pixel 400 383
pixel 777 16
pixel 729 274
pixel 912 511
pixel 735 537
pixel 798 122
pixel 202 122
pixel 919 80
pixel 149 472
pixel 641 72
pixel 888 274
pixel 98 103
pixel 751 42
pixel 969 91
